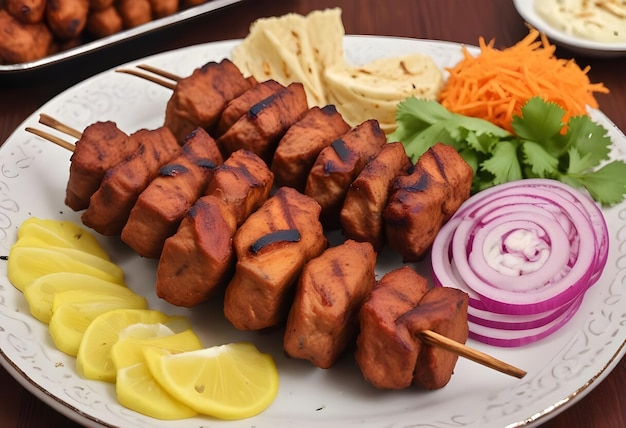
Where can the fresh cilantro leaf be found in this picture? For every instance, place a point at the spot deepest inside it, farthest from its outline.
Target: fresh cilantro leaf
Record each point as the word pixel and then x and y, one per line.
pixel 540 162
pixel 539 121
pixel 504 163
pixel 589 139
pixel 606 185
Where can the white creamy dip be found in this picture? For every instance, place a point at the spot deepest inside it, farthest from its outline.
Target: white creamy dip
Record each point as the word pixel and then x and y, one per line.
pixel 596 20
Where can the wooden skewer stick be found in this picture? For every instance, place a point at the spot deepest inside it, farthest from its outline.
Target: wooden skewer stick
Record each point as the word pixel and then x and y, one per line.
pixel 436 339
pixel 55 124
pixel 158 81
pixel 56 140
pixel 160 72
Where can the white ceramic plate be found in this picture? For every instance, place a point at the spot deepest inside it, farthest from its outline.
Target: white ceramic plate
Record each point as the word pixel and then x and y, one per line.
pixel 526 9
pixel 33 175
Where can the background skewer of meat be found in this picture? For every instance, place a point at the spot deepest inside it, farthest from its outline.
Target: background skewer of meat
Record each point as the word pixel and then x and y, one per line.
pixel 339 164
pixel 198 260
pixel 298 149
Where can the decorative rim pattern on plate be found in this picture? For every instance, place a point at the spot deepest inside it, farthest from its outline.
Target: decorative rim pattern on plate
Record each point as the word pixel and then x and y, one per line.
pixel 33 174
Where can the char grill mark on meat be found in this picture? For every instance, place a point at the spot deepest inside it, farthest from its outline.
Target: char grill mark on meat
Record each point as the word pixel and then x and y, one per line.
pixel 198 100
pixel 243 181
pixel 161 207
pixel 110 205
pixel 260 292
pixel 198 260
pixel 260 129
pixel 238 106
pixel 101 146
pixel 444 311
pixel 420 203
pixel 362 213
pixel 331 175
pixel 386 350
pixel 323 320
pixel 299 147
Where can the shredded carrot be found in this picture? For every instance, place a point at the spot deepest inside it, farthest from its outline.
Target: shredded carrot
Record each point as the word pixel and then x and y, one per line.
pixel 495 84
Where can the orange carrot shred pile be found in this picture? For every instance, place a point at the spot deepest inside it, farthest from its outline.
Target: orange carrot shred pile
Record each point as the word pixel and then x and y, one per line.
pixel 495 84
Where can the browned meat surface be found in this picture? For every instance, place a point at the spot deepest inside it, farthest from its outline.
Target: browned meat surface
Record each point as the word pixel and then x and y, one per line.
pixel 444 311
pixel 339 164
pixel 272 246
pixel 67 18
pixel 239 106
pixel 26 11
pixel 243 181
pixel 362 212
pixel 260 129
pixel 198 259
pixel 386 350
pixel 110 205
pixel 21 42
pixel 199 99
pixel 323 320
pixel 419 204
pixel 101 146
pixel 163 204
pixel 304 140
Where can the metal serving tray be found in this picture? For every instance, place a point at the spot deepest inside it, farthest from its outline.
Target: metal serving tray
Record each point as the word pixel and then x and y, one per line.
pixel 209 6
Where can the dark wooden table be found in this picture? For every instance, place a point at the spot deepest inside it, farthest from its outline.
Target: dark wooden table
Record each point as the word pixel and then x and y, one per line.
pixel 453 20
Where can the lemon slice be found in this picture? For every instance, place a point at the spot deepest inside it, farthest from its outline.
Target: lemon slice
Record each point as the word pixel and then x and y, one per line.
pixel 40 293
pixel 137 390
pixel 93 360
pixel 128 350
pixel 232 381
pixel 29 263
pixel 73 311
pixel 57 233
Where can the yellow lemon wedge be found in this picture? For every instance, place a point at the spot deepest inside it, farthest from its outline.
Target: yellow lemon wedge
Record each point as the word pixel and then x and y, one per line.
pixel 137 390
pixel 73 311
pixel 232 381
pixel 41 292
pixel 58 233
pixel 29 263
pixel 128 350
pixel 93 360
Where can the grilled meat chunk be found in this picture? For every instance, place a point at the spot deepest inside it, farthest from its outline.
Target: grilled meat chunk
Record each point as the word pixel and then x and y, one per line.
pixel 198 260
pixel 272 246
pixel 239 106
pixel 110 205
pixel 199 99
pixel 362 213
pixel 444 311
pixel 323 319
pixel 420 203
pixel 163 204
pixel 260 129
pixel 304 140
pixel 339 164
pixel 101 146
pixel 243 181
pixel 387 351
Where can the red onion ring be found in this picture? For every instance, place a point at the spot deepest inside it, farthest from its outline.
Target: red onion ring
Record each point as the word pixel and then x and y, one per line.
pixel 525 252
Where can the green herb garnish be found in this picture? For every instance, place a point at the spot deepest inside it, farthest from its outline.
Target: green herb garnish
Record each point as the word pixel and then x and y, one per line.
pixel 537 149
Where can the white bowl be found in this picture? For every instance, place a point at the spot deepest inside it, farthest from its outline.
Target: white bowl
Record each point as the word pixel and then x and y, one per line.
pixel 526 9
